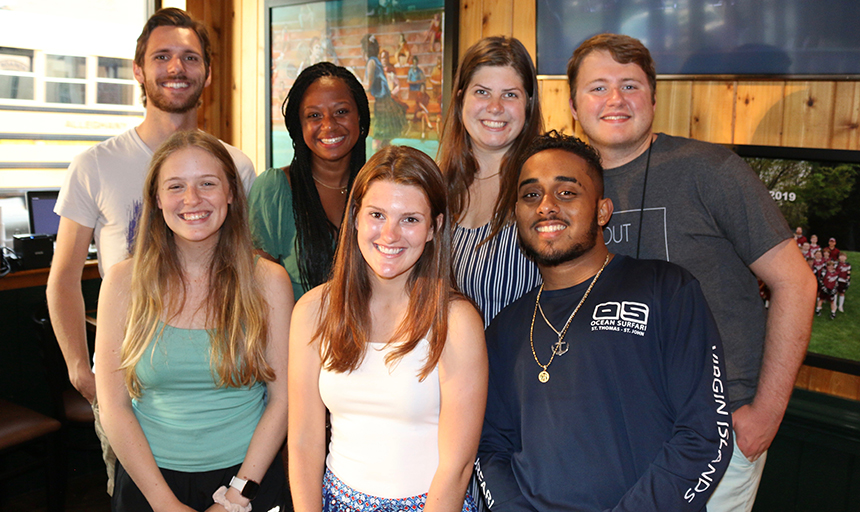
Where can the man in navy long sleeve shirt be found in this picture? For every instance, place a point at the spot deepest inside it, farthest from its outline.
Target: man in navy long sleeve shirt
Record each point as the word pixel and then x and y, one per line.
pixel 606 384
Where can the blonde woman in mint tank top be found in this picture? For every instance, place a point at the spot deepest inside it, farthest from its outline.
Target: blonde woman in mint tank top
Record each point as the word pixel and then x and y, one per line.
pixel 192 345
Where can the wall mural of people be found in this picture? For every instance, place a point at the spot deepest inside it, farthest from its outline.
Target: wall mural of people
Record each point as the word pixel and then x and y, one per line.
pixel 394 48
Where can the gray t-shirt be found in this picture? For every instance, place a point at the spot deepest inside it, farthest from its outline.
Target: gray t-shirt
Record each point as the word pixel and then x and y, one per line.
pixel 706 210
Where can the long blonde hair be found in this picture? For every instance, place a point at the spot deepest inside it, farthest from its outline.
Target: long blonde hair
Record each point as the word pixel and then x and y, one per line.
pixel 236 310
pixel 345 316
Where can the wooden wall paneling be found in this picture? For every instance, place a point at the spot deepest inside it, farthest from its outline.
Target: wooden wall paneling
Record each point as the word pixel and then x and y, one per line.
pixel 240 60
pixel 829 382
pixel 844 385
pixel 222 21
pixel 759 113
pixel 498 18
pixel 525 25
pixel 846 119
pixel 197 9
pixel 819 380
pixel 802 380
pixel 216 98
pixel 808 115
pixel 712 111
pixel 674 103
pixel 471 24
pixel 208 122
pixel 555 105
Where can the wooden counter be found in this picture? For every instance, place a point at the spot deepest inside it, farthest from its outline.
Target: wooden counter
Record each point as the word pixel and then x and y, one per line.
pixel 39 276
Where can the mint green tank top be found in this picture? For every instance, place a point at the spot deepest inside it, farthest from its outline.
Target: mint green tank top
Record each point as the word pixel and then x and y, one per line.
pixel 191 424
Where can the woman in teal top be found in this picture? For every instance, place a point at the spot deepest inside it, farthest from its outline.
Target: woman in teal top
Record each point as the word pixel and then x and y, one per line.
pixel 296 211
pixel 192 345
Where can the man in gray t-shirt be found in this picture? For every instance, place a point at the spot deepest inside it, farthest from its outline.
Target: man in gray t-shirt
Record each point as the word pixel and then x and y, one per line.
pixel 700 206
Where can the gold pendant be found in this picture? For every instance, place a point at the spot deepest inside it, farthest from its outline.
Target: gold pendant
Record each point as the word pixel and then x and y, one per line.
pixel 543 376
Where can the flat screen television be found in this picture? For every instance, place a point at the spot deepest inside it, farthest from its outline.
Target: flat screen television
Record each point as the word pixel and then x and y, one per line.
pixel 818 190
pixel 802 38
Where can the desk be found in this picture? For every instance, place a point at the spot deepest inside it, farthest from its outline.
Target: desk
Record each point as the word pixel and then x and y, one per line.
pixel 39 276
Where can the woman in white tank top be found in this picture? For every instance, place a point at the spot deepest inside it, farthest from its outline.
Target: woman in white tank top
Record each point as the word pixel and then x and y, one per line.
pixel 395 354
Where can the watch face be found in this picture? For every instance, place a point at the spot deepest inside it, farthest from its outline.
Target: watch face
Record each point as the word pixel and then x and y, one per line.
pixel 250 489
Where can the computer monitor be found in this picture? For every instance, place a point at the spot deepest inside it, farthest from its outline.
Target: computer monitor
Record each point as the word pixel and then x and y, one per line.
pixel 40 207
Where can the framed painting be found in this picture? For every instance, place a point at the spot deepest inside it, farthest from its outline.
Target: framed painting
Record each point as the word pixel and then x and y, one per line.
pixel 402 52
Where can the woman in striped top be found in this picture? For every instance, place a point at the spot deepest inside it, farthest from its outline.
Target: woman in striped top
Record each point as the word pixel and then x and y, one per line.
pixel 494 114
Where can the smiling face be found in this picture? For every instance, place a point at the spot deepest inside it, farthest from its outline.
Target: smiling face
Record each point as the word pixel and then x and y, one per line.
pixel 393 225
pixel 329 117
pixel 559 209
pixel 173 73
pixel 494 108
pixel 193 194
pixel 613 104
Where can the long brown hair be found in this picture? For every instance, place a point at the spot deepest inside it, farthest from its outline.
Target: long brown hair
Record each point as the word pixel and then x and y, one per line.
pixel 344 321
pixel 455 158
pixel 235 310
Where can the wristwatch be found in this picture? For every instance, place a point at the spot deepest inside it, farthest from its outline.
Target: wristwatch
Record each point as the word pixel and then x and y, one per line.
pixel 247 488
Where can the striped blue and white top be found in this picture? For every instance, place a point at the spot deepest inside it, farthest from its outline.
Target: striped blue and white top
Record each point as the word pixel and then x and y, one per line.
pixel 495 274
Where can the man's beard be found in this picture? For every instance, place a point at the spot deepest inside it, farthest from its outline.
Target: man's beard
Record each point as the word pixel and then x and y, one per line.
pixel 155 95
pixel 554 257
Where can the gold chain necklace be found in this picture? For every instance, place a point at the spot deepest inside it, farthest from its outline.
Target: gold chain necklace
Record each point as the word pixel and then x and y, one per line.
pixel 342 189
pixel 543 376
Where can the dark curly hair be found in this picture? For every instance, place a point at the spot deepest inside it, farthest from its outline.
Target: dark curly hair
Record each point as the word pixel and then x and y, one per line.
pixel 316 235
pixel 554 140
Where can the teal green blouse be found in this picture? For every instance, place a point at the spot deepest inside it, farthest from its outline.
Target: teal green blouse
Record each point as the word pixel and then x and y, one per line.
pixel 270 212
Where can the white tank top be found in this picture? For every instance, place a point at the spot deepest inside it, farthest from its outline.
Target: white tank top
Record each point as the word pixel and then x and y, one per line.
pixel 385 424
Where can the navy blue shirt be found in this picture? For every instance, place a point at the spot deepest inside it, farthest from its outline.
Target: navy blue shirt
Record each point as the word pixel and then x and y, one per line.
pixel 634 415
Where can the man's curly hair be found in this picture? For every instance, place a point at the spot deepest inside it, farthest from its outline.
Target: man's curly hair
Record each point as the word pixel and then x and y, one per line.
pixel 554 140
